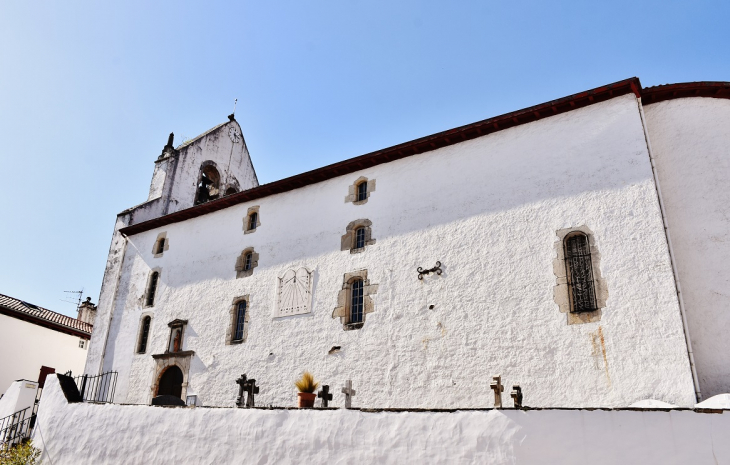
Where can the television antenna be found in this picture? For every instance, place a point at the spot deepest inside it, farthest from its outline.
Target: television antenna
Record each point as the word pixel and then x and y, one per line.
pixel 76 302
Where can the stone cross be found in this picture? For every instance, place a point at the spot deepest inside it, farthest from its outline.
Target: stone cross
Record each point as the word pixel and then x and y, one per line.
pixel 516 395
pixel 251 389
pixel 241 383
pixel 497 387
pixel 348 392
pixel 325 395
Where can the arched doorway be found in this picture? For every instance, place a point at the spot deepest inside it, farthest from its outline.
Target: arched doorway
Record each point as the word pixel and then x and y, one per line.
pixel 171 382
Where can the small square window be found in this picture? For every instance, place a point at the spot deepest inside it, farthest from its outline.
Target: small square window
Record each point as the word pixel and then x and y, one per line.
pixel 82 344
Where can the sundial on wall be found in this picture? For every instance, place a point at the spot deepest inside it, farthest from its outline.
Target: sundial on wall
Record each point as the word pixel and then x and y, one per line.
pixel 294 294
pixel 234 135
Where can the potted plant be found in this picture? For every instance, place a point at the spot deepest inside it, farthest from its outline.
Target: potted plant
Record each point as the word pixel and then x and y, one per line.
pixel 306 385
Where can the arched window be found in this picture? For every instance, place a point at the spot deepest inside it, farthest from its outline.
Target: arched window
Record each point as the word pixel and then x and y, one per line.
pixel 247 261
pixel 253 220
pixel 144 332
pixel 208 185
pixel 357 306
pixel 579 270
pixel 240 320
pixel 362 191
pixel 151 289
pixel 359 238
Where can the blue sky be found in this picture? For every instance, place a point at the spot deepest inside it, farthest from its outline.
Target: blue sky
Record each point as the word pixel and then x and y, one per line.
pixel 89 92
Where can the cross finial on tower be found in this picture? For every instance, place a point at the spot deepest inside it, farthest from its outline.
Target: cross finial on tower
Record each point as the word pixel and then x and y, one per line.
pixel 232 116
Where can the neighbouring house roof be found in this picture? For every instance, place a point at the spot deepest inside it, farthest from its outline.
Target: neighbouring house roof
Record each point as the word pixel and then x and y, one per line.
pixel 40 316
pixel 442 139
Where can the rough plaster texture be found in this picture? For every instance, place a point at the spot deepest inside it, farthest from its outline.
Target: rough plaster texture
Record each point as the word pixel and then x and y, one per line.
pixel 690 141
pixel 173 188
pixel 132 434
pixel 33 346
pixel 490 215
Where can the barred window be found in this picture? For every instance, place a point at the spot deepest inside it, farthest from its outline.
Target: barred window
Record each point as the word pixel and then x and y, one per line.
pixel 151 289
pixel 579 271
pixel 248 259
pixel 362 191
pixel 359 238
pixel 240 320
pixel 144 333
pixel 356 301
pixel 252 221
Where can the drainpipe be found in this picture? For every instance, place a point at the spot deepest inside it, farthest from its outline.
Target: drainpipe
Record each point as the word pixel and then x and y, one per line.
pixel 695 379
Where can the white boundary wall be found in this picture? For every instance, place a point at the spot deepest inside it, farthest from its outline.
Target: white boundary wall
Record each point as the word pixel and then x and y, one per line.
pixel 135 434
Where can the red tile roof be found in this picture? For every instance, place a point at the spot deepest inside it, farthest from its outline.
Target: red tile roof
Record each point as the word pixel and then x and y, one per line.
pixel 43 317
pixel 442 139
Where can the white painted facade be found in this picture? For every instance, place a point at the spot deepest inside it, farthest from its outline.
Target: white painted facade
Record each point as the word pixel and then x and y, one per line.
pixel 690 139
pixel 489 209
pixel 86 433
pixel 28 346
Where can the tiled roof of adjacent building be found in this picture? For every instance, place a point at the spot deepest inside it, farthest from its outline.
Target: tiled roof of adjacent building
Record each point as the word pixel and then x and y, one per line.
pixel 43 317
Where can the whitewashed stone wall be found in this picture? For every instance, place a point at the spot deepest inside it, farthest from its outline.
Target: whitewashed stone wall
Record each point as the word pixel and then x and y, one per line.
pixel 122 434
pixel 173 187
pixel 489 210
pixel 690 138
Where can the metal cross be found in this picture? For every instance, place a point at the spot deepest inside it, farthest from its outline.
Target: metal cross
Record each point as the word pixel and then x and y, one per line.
pixel 497 387
pixel 251 389
pixel 325 395
pixel 241 383
pixel 516 395
pixel 348 392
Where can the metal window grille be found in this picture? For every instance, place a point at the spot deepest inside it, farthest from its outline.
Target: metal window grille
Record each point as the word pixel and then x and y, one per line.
pixel 240 320
pixel 142 348
pixel 161 245
pixel 247 261
pixel 152 289
pixel 252 220
pixel 362 191
pixel 580 273
pixel 359 238
pixel 356 302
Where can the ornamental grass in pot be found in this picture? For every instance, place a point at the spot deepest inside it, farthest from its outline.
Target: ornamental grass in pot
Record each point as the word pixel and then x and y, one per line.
pixel 306 385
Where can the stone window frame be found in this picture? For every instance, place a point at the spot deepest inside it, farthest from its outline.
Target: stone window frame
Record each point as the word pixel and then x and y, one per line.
pixel 233 314
pixel 561 290
pixel 139 333
pixel 145 298
pixel 155 247
pixel 352 190
pixel 347 241
pixel 241 260
pixel 247 221
pixel 173 325
pixel 344 298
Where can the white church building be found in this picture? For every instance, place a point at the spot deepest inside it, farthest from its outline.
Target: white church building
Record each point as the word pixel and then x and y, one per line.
pixel 579 248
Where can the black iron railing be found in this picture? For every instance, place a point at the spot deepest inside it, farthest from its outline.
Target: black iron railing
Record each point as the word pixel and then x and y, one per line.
pixel 99 388
pixel 16 428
